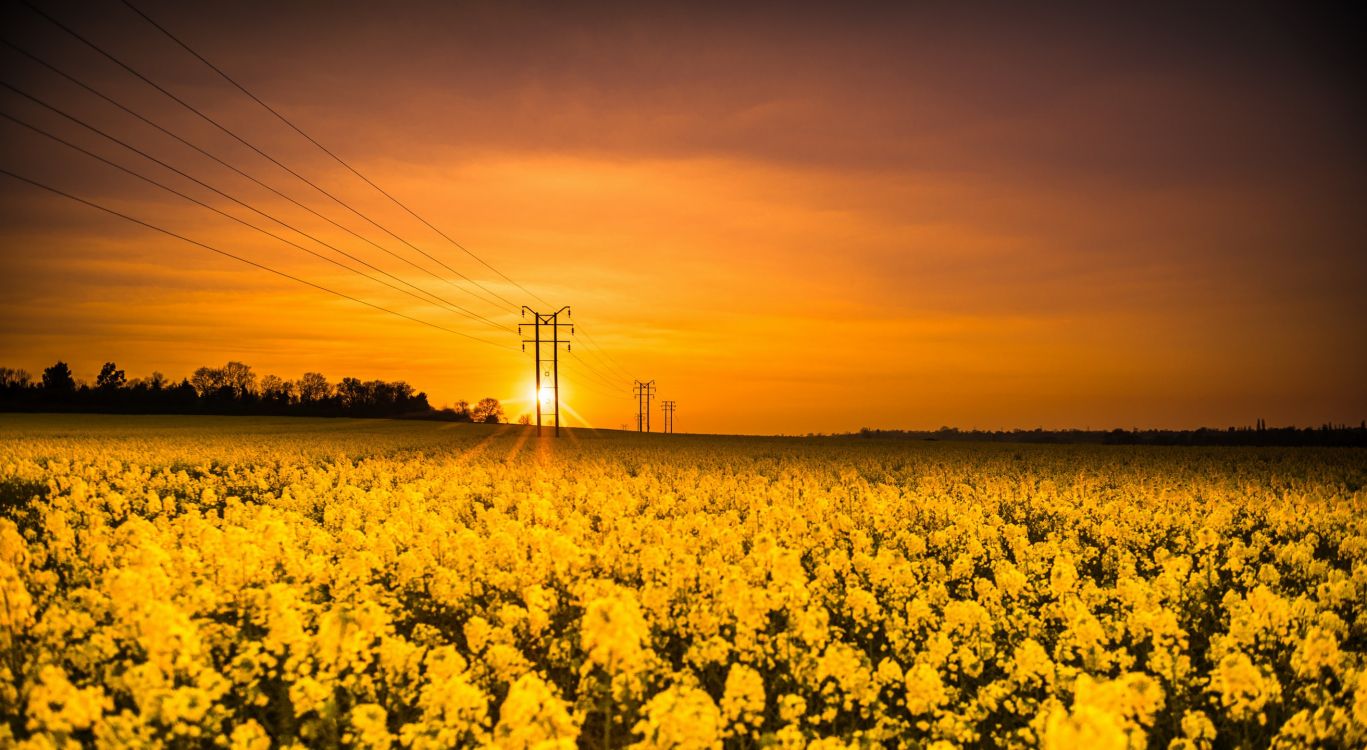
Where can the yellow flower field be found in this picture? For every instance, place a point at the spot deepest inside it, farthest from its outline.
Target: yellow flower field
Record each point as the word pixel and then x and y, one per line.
pixel 255 583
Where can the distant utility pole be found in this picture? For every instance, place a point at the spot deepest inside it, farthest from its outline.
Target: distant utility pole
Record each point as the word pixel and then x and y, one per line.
pixel 668 408
pixel 644 392
pixel 547 368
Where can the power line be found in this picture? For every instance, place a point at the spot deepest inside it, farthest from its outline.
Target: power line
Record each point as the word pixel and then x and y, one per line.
pixel 598 378
pixel 601 357
pixel 325 150
pixel 198 202
pixel 239 258
pixel 587 386
pixel 439 300
pixel 614 391
pixel 608 361
pixel 110 56
pixel 590 369
pixel 242 173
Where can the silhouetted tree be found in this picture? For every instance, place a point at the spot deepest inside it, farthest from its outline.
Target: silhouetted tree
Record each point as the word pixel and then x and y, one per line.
pixel 240 379
pixel 183 394
pixel 110 378
pixel 352 393
pixel 487 410
pixel 231 382
pixel 57 378
pixel 276 389
pixel 379 394
pixel 208 381
pixel 313 387
pixel 402 392
pixel 13 379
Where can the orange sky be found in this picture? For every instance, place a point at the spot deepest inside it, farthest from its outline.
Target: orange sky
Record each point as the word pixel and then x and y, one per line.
pixel 792 219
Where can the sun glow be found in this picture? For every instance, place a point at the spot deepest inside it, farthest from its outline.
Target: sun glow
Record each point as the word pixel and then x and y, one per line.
pixel 545 395
pixel 547 398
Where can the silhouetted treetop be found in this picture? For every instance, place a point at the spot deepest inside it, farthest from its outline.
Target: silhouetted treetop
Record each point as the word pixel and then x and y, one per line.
pixel 13 378
pixel 487 410
pixel 58 378
pixel 110 377
pixel 231 389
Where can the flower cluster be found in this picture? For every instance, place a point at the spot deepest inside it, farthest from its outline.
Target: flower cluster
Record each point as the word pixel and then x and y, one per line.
pixel 265 583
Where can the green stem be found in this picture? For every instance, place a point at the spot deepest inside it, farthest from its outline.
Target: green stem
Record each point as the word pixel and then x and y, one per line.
pixel 607 726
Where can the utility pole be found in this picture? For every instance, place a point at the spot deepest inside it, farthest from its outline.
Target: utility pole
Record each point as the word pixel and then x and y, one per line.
pixel 551 321
pixel 644 392
pixel 668 408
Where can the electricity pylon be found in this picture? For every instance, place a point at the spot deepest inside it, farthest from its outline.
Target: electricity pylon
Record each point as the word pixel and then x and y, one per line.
pixel 644 392
pixel 668 408
pixel 552 321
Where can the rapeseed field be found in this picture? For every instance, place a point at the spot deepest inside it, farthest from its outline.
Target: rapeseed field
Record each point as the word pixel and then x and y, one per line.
pixel 258 583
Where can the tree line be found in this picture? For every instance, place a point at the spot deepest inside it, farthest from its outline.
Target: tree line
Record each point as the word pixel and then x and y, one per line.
pixel 1257 435
pixel 233 388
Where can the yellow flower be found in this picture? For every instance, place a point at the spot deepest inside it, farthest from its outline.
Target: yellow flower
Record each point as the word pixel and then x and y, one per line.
pixel 792 708
pixel 925 691
pixel 680 718
pixel 889 672
pixel 1318 651
pixel 369 727
pixel 1244 691
pixel 57 706
pixel 742 702
pixel 249 736
pixel 614 634
pixel 1105 714
pixel 1087 727
pixel 534 717
pixel 454 711
pixel 16 605
pixel 477 632
pixel 1062 577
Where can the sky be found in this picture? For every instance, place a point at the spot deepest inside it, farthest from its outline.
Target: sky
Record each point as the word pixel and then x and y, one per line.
pixel 792 217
